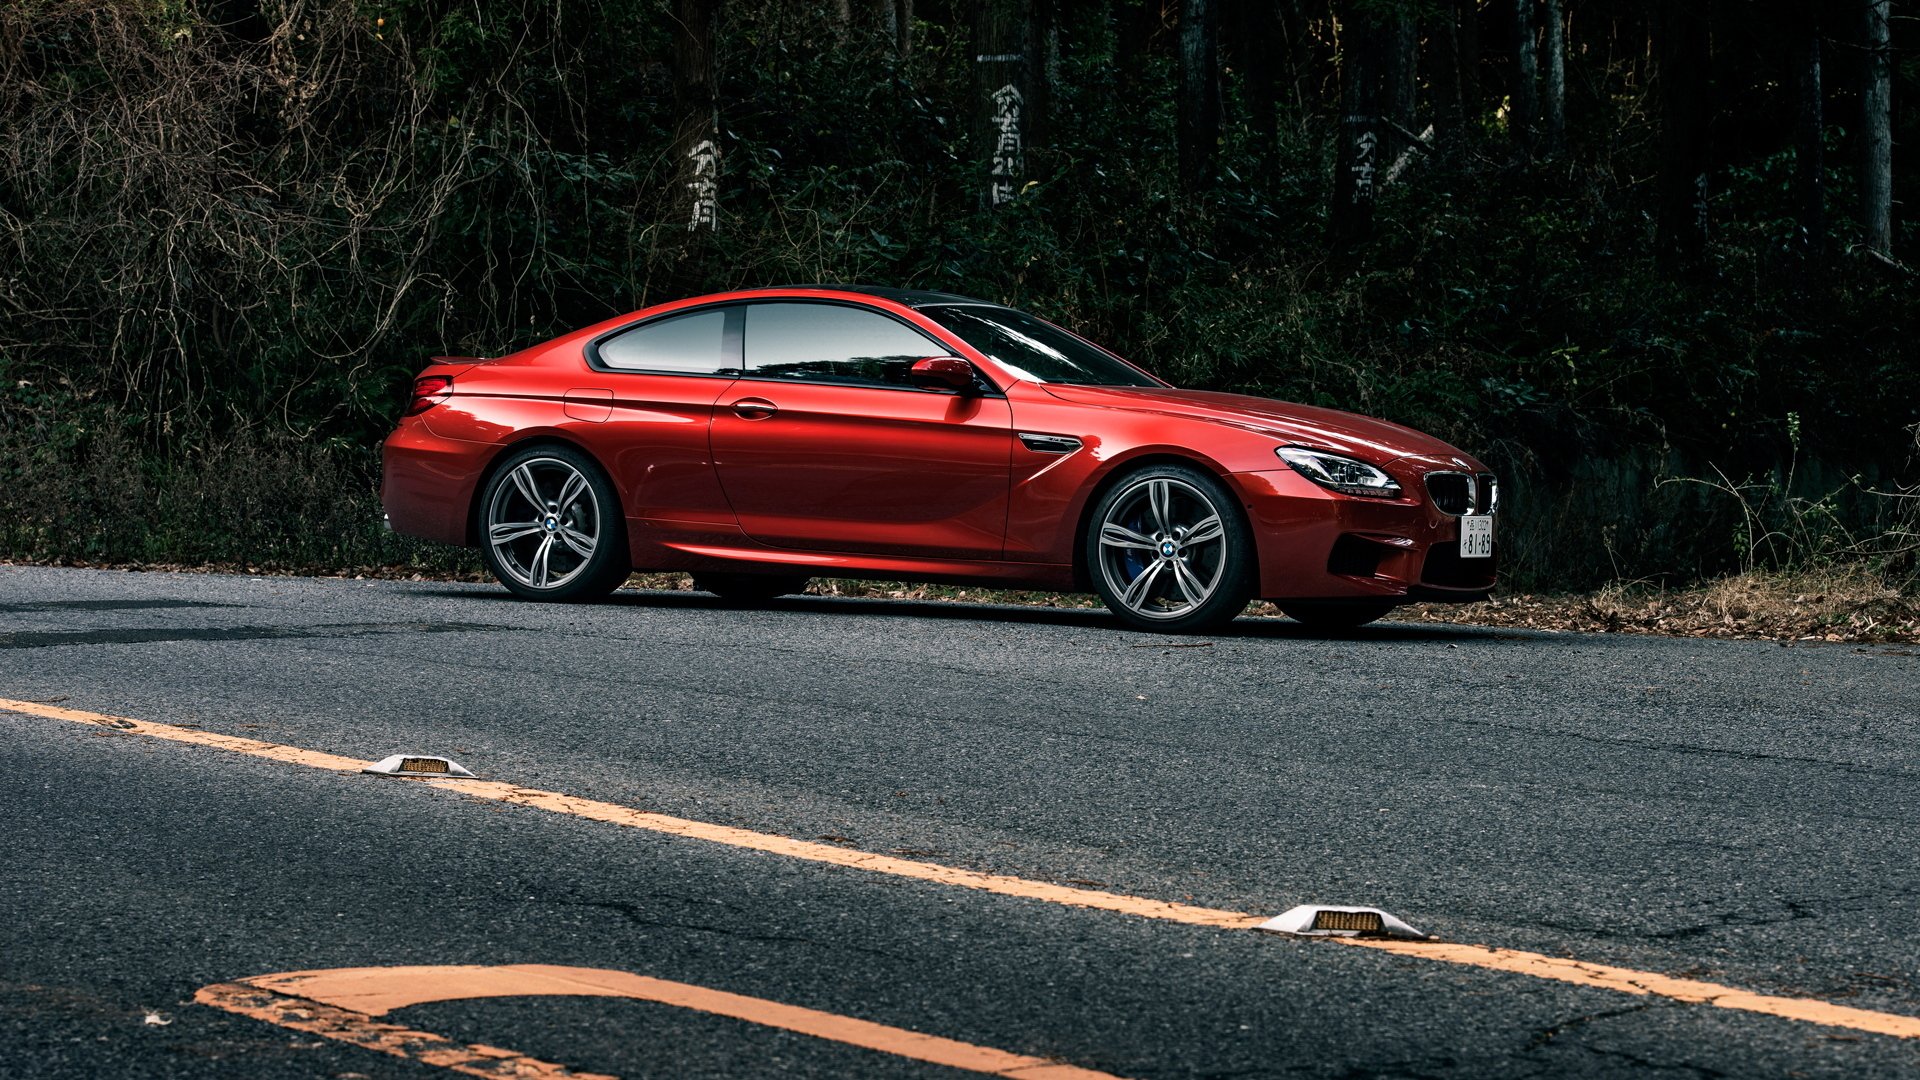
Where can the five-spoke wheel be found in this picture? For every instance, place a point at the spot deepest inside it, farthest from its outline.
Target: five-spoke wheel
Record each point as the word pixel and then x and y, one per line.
pixel 550 526
pixel 1167 549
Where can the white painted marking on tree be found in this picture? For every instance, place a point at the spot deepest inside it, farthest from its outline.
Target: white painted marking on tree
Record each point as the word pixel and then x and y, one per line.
pixel 1362 168
pixel 1009 150
pixel 705 185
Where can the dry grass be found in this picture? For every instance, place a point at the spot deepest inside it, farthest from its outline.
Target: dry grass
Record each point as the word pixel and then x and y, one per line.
pixel 1850 604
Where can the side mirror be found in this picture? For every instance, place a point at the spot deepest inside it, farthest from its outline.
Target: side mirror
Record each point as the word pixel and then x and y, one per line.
pixel 942 373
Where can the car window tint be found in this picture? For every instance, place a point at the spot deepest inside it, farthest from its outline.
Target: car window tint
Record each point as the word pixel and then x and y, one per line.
pixel 695 343
pixel 1034 349
pixel 832 343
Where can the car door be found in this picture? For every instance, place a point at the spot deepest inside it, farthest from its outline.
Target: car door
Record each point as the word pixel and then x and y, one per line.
pixel 823 444
pixel 655 385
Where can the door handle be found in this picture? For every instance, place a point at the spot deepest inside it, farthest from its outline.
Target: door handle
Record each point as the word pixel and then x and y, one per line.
pixel 754 408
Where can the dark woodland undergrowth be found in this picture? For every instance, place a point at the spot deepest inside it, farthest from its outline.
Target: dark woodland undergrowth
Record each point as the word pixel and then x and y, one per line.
pixel 230 233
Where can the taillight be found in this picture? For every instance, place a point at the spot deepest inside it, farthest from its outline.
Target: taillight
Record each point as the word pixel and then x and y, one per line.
pixel 428 391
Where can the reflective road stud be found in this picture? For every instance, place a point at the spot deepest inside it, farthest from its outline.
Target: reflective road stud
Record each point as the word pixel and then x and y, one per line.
pixel 1323 920
pixel 416 765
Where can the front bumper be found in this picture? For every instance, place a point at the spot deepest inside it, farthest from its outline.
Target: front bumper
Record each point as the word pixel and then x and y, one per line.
pixel 1316 544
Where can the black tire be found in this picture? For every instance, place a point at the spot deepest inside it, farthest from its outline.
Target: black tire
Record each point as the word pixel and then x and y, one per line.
pixel 1173 522
pixel 750 588
pixel 1335 614
pixel 531 539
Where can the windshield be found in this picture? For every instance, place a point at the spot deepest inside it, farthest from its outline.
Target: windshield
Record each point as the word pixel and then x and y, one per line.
pixel 1035 350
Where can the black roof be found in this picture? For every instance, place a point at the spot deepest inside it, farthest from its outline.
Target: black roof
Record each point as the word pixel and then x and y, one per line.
pixel 910 297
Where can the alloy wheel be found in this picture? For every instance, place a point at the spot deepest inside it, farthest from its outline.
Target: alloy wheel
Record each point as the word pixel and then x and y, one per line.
pixel 1163 548
pixel 543 523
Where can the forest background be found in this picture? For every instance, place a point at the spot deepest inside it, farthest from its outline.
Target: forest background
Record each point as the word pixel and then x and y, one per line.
pixel 1652 259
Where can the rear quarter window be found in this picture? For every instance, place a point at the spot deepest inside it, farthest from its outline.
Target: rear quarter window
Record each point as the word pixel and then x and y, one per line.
pixel 695 344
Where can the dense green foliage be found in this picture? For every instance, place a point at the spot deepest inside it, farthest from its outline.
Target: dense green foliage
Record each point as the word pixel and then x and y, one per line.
pixel 232 231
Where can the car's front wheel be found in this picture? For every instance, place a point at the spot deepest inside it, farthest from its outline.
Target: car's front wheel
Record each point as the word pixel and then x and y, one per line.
pixel 551 528
pixel 1168 549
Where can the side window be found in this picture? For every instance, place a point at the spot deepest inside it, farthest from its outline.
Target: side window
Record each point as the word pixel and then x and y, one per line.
pixel 695 343
pixel 831 343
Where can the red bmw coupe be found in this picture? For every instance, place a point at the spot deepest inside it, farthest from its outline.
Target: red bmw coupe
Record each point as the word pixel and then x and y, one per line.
pixel 760 438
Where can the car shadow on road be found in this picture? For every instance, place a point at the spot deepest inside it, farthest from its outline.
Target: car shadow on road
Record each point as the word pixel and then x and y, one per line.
pixel 1090 618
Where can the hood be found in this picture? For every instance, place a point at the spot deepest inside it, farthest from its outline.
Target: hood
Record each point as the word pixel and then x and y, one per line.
pixel 1362 437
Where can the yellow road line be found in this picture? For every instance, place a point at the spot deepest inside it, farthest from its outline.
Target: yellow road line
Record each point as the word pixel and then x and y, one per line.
pixel 1513 961
pixel 615 814
pixel 292 755
pixel 1630 981
pixel 345 1025
pixel 341 1003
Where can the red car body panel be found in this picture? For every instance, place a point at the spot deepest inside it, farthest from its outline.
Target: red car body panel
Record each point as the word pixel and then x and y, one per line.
pixel 865 469
pixel 726 472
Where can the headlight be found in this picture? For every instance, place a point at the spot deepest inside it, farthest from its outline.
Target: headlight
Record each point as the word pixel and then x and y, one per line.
pixel 1341 474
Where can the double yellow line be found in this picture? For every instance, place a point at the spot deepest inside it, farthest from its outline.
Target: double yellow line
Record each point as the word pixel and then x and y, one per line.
pixel 1513 961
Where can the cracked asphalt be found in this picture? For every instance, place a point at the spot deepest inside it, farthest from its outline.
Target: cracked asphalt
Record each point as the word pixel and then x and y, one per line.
pixel 1739 812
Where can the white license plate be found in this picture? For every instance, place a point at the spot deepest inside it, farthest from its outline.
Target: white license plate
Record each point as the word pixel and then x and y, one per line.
pixel 1476 537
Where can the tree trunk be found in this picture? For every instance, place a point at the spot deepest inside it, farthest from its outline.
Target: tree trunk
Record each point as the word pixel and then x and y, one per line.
pixel 890 21
pixel 1296 38
pixel 1443 60
pixel 1523 97
pixel 1001 92
pixel 1554 127
pixel 1472 90
pixel 696 144
pixel 1876 131
pixel 1685 46
pixel 1357 158
pixel 1198 127
pixel 1810 140
pixel 1400 89
pixel 1138 27
pixel 1040 45
pixel 1254 41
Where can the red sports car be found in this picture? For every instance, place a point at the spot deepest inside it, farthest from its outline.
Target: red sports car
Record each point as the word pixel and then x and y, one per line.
pixel 759 438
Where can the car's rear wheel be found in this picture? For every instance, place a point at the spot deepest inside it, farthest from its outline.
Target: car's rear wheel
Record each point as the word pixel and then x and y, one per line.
pixel 1335 614
pixel 551 528
pixel 749 588
pixel 1168 549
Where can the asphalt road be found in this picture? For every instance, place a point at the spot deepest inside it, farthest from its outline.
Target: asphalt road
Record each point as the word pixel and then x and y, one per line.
pixel 1741 813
